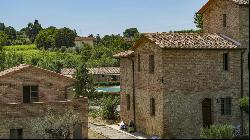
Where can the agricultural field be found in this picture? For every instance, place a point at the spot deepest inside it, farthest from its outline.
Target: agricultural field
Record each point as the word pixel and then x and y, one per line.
pixel 29 54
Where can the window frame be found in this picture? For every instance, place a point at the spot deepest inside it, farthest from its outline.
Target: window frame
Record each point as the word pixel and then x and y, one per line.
pixel 152 107
pixel 224 18
pixel 128 102
pixel 18 133
pixel 139 63
pixel 226 106
pixel 33 93
pixel 151 64
pixel 226 61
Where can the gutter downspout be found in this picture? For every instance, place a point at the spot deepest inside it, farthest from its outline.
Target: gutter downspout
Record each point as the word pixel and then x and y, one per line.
pixel 133 86
pixel 241 91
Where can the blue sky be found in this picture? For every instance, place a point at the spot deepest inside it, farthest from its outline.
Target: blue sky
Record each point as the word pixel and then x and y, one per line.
pixel 102 16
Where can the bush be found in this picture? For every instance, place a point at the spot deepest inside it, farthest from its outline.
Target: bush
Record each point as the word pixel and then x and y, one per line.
pixel 107 83
pixel 244 104
pixel 217 132
pixel 108 107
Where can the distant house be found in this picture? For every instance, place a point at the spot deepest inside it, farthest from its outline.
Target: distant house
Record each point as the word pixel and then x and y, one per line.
pixel 102 74
pixel 80 41
pixel 174 84
pixel 28 91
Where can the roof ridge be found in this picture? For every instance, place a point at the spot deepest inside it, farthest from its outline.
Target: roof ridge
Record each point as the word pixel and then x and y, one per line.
pixel 24 66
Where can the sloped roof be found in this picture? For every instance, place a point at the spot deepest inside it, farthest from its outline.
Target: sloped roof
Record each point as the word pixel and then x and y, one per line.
pixel 83 38
pixel 24 67
pixel 239 2
pixel 105 70
pixel 68 71
pixel 101 70
pixel 124 54
pixel 191 41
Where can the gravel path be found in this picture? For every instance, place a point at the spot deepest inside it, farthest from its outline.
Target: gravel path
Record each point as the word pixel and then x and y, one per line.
pixel 108 132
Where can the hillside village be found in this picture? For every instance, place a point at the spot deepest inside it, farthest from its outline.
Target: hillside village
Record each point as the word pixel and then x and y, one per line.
pixel 185 84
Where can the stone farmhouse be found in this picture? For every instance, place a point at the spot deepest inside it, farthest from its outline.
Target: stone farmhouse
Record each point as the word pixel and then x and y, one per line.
pixel 174 84
pixel 28 92
pixel 101 74
pixel 80 41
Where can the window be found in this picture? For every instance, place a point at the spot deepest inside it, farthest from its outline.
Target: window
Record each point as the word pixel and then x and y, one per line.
pixel 16 133
pixel 139 63
pixel 226 106
pixel 30 94
pixel 224 20
pixel 128 101
pixel 113 78
pixel 152 107
pixel 151 64
pixel 225 61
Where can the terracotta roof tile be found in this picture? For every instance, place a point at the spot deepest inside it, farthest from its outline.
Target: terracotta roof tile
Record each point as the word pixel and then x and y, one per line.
pixel 241 2
pixel 101 70
pixel 105 70
pixel 26 66
pixel 83 38
pixel 192 41
pixel 124 54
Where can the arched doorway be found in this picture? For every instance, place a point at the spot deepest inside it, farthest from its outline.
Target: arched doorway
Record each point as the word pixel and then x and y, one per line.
pixel 207 112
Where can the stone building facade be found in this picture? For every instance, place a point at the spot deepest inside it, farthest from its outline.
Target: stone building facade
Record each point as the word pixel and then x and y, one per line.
pixel 187 89
pixel 101 74
pixel 80 41
pixel 231 18
pixel 27 91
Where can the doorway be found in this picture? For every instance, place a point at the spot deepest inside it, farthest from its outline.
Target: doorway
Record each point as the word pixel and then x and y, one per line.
pixel 207 112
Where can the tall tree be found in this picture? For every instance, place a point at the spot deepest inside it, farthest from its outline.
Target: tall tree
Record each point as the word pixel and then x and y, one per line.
pixel 2 58
pixel 32 30
pixel 2 26
pixel 198 20
pixel 11 32
pixel 131 32
pixel 65 37
pixel 46 38
pixel 3 38
pixel 84 85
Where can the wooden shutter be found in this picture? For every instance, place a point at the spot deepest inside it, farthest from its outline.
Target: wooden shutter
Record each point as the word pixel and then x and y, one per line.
pixel 26 94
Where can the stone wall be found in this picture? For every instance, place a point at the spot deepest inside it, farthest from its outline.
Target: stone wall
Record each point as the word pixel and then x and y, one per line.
pixel 190 76
pixel 126 89
pixel 15 116
pixel 237 27
pixel 244 40
pixel 50 87
pixel 147 86
pixel 105 78
pixel 213 18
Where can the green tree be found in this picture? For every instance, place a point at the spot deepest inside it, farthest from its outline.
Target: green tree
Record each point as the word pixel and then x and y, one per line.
pixel 131 32
pixel 54 125
pixel 108 107
pixel 11 32
pixel 3 38
pixel 198 20
pixel 84 85
pixel 46 38
pixel 2 58
pixel 86 52
pixel 2 26
pixel 33 30
pixel 65 37
pixel 217 132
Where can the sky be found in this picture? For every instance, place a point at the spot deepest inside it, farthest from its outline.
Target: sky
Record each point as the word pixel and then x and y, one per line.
pixel 102 16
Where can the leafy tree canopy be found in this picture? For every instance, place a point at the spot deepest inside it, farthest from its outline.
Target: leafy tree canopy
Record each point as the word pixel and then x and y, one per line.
pixel 131 32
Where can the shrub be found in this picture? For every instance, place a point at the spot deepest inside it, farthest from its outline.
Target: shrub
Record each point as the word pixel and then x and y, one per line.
pixel 244 104
pixel 108 107
pixel 217 132
pixel 107 83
